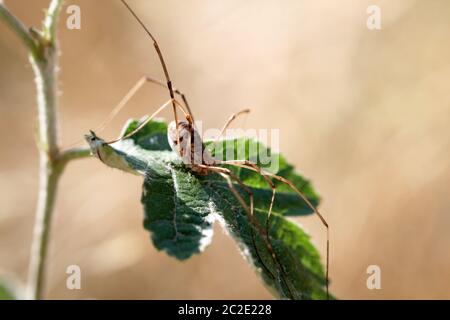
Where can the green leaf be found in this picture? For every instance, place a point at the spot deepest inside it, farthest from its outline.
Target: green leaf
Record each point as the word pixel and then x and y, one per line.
pixel 175 211
pixel 181 207
pixel 6 293
pixel 151 137
pixel 9 288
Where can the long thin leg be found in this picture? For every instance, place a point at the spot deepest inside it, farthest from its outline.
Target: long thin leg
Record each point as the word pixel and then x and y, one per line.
pixel 144 122
pixel 227 174
pixel 253 166
pixel 178 92
pixel 249 210
pixel 316 211
pixel 163 63
pixel 230 120
pixel 130 94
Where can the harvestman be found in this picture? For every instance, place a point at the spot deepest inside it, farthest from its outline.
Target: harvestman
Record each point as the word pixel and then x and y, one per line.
pixel 184 139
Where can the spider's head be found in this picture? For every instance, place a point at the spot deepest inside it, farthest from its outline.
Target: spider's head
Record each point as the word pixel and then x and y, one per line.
pixel 190 148
pixel 183 137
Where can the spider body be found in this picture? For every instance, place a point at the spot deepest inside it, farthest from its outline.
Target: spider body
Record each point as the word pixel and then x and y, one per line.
pixel 190 147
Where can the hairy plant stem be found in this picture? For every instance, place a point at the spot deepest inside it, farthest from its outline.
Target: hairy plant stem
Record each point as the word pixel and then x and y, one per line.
pixel 46 85
pixel 43 52
pixel 48 184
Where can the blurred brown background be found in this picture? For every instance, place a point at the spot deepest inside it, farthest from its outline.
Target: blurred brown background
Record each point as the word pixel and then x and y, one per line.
pixel 363 113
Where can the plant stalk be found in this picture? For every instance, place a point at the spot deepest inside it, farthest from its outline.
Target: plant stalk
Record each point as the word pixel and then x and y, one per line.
pixel 45 69
pixel 43 53
pixel 48 184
